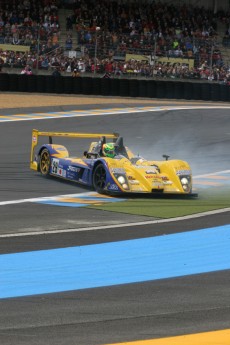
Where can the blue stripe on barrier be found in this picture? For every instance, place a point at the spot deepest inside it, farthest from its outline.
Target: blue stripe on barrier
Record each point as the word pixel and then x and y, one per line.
pixel 107 264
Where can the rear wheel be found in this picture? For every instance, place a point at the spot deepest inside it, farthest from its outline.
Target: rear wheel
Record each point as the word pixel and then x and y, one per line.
pixel 44 164
pixel 99 178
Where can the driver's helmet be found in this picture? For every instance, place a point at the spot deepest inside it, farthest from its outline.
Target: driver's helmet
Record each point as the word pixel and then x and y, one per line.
pixel 108 150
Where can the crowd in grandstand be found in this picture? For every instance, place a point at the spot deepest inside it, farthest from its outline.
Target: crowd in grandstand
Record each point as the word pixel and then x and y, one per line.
pixel 22 22
pixel 153 30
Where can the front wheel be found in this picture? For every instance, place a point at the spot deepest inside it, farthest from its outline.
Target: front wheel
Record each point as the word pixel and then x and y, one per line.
pixel 99 179
pixel 44 163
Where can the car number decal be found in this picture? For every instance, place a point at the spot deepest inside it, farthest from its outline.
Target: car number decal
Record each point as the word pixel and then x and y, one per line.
pixel 54 166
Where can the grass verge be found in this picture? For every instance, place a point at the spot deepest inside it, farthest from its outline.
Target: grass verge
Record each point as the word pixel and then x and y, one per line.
pixel 207 200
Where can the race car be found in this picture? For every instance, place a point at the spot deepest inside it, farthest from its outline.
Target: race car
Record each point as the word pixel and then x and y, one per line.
pixel 109 167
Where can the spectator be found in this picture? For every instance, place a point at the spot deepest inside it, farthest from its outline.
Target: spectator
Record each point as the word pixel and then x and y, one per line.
pixel 68 69
pixel 27 70
pixel 68 43
pixel 107 75
pixel 75 73
pixel 56 73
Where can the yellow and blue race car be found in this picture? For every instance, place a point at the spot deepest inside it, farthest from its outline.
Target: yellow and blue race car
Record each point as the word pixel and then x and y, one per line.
pixel 110 167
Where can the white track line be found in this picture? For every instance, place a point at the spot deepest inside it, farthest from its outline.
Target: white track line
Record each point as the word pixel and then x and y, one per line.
pixel 21 201
pixel 48 116
pixel 214 173
pixel 94 228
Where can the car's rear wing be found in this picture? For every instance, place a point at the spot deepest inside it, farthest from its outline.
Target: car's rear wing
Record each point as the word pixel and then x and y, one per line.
pixel 36 134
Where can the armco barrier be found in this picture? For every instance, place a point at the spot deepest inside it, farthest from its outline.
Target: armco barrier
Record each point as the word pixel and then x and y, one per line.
pixel 178 90
pixel 115 87
pixel 169 90
pixel 160 89
pixel 23 83
pixel 124 87
pixel 151 89
pixel 41 83
pixel 77 85
pixel 4 82
pixel 224 93
pixel 31 83
pixel 133 88
pixel 96 85
pixel 106 86
pixel 68 84
pixel 58 84
pixel 13 82
pixel 197 91
pixel 142 88
pixel 207 91
pixel 49 84
pixel 188 91
pixel 87 86
pixel 215 92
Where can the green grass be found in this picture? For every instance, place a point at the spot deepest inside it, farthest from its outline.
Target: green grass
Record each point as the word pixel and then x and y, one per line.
pixel 207 200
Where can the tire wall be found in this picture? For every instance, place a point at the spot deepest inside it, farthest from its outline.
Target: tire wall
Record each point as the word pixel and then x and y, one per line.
pixel 115 87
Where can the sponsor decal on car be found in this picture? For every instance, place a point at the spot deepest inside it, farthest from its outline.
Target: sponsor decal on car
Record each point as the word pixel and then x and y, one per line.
pixel 150 172
pixel 149 176
pixel 157 184
pixel 70 175
pixel 156 167
pixel 117 170
pixel 139 189
pixel 142 167
pixel 74 169
pixel 113 186
pixel 134 182
pixel 61 148
pixel 183 172
pixel 61 172
pixel 167 182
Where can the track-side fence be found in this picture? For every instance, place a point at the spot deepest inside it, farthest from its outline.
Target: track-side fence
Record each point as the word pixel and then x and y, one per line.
pixel 115 87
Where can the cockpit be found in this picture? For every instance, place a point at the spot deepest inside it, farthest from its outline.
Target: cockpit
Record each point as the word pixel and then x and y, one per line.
pixel 95 150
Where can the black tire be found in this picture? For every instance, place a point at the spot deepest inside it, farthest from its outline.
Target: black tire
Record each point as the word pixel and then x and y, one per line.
pixel 44 163
pixel 99 179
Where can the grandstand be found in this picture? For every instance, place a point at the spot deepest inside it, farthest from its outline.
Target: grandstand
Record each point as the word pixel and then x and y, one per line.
pixel 162 39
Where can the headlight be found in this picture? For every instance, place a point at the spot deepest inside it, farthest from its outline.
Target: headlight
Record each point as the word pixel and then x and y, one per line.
pixel 186 183
pixel 184 180
pixel 121 179
pixel 185 187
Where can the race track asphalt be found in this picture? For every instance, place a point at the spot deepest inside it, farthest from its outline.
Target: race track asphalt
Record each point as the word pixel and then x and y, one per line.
pixel 119 313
